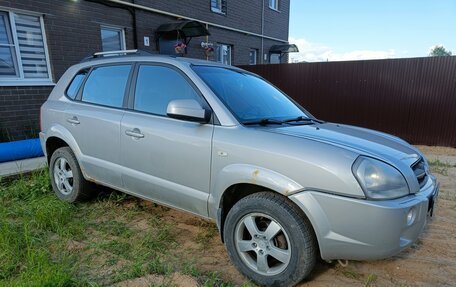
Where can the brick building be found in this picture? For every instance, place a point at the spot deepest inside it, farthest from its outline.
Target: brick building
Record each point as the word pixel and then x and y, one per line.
pixel 40 39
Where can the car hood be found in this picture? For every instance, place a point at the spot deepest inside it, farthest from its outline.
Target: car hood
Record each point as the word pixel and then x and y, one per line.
pixel 364 141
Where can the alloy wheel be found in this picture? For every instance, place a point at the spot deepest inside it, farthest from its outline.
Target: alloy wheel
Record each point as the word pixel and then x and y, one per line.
pixel 63 176
pixel 263 244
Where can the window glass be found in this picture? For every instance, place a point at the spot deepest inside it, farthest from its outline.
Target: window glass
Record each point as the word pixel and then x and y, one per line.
pixel 253 57
pixel 22 49
pixel 156 86
pixel 112 39
pixel 8 66
pixel 274 58
pixel 106 85
pixel 218 6
pixel 274 4
pixel 73 89
pixel 7 63
pixel 5 35
pixel 224 54
pixel 31 46
pixel 247 96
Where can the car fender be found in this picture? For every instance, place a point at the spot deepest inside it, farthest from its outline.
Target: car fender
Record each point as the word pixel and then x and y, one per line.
pixel 62 133
pixel 250 174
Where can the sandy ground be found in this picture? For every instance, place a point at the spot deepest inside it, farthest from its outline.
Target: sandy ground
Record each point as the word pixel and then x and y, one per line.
pixel 431 261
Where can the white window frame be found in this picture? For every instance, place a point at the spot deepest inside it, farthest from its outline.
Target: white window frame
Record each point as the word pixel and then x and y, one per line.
pixel 255 54
pixel 220 56
pixel 217 9
pixel 21 80
pixel 115 28
pixel 274 4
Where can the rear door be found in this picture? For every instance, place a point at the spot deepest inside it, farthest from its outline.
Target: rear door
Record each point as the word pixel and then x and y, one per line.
pixel 93 119
pixel 165 159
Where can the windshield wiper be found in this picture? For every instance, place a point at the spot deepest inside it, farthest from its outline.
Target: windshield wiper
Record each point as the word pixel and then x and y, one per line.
pixel 263 122
pixel 303 119
pixel 268 121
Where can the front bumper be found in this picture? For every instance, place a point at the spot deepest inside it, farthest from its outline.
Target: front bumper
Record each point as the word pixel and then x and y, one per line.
pixel 359 229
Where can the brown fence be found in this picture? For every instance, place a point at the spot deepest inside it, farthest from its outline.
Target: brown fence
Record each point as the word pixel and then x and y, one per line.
pixel 412 98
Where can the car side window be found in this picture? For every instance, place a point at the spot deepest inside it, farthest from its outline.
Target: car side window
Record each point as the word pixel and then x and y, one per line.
pixel 156 86
pixel 73 88
pixel 106 85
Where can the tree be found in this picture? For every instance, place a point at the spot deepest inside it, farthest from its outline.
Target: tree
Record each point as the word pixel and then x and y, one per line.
pixel 438 51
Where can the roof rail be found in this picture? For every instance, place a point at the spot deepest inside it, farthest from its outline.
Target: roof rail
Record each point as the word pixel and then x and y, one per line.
pixel 116 53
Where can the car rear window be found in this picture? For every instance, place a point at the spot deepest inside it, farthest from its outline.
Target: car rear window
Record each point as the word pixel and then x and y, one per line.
pixel 73 88
pixel 106 85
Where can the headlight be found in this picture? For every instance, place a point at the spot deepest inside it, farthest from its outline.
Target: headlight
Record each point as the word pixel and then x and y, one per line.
pixel 378 179
pixel 426 165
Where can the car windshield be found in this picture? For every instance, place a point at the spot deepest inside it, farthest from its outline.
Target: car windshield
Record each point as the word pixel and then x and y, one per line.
pixel 247 96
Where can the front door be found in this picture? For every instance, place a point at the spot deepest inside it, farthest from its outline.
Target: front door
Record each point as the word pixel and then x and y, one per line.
pixel 165 159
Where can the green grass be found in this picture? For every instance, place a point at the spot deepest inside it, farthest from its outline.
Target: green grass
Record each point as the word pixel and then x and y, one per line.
pixel 29 221
pixel 440 167
pixel 189 268
pixel 48 242
pixel 206 233
pixel 114 228
pixel 130 271
pixel 212 279
pixel 351 274
pixel 371 279
pixel 438 163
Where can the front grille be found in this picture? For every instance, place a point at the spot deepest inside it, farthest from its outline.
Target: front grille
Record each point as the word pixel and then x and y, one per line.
pixel 419 168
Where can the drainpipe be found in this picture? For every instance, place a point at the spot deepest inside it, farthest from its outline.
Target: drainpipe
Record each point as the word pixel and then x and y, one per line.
pixel 262 34
pixel 135 29
pixel 207 41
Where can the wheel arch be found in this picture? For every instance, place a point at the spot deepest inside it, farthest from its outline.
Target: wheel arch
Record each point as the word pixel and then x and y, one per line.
pixel 52 144
pixel 58 136
pixel 251 175
pixel 237 181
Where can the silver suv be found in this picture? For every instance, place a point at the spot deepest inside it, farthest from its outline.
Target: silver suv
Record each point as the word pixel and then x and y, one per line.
pixel 222 143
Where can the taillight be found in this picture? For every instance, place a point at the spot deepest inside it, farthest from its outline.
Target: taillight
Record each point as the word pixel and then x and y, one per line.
pixel 41 127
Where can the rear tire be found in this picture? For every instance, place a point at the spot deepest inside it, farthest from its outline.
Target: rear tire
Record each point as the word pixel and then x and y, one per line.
pixel 67 180
pixel 270 240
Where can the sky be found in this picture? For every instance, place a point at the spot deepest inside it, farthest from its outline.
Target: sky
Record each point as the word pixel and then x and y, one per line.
pixel 339 30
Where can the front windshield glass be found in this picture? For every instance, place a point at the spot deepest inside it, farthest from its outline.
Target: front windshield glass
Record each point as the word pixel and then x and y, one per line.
pixel 248 97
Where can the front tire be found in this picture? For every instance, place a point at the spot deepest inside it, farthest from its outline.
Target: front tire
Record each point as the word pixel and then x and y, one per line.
pixel 67 180
pixel 270 240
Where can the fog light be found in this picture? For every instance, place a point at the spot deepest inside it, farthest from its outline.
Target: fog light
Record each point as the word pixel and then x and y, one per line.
pixel 411 215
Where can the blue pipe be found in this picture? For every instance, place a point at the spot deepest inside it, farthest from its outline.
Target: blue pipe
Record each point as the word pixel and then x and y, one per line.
pixel 17 150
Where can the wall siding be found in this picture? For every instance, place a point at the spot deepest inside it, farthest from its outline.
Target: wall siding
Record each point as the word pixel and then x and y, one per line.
pixel 19 111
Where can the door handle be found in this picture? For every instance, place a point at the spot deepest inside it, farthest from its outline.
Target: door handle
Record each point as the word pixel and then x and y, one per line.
pixel 136 133
pixel 74 120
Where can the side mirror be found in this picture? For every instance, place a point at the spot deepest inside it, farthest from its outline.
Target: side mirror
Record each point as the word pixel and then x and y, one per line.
pixel 189 110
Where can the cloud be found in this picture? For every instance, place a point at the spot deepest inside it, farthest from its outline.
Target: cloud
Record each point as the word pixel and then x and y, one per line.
pixel 314 52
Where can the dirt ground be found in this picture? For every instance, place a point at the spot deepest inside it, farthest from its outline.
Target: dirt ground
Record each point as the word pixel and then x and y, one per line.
pixel 431 261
